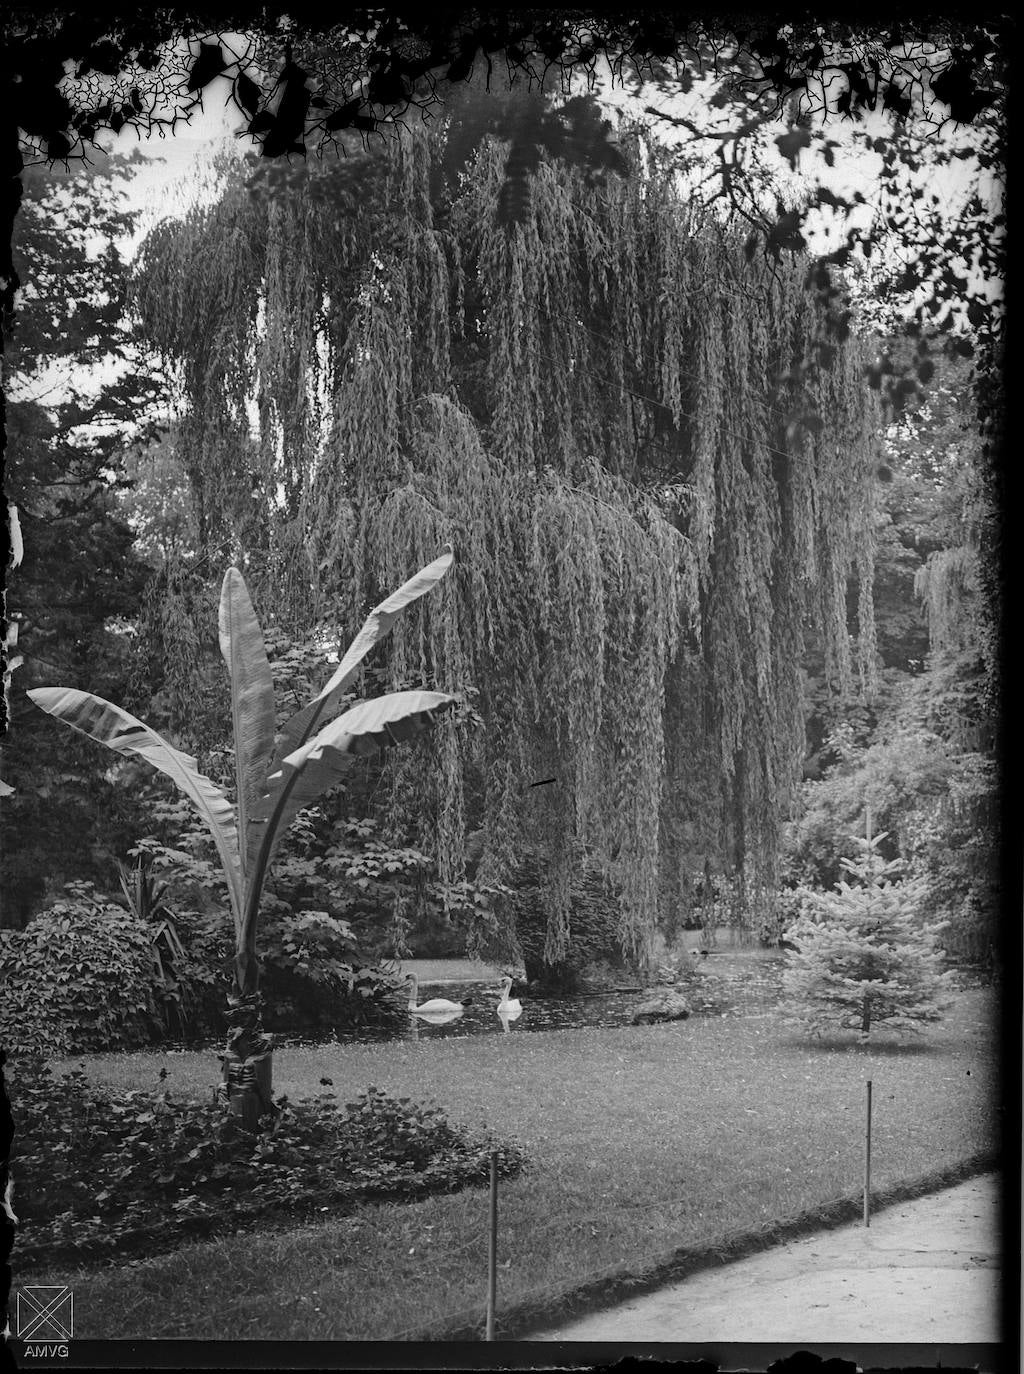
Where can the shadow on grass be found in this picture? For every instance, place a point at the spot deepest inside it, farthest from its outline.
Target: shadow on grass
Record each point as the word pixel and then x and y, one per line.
pixel 834 1044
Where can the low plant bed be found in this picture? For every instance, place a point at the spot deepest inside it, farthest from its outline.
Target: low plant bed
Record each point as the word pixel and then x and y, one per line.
pixel 107 1174
pixel 643 1141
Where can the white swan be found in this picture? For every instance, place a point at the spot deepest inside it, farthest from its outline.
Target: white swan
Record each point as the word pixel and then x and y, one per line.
pixel 506 1016
pixel 436 1006
pixel 508 1006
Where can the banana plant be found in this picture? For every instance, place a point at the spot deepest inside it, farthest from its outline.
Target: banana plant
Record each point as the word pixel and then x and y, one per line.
pixel 275 779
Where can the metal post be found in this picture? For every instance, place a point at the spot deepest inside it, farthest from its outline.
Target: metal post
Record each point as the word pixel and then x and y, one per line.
pixel 492 1250
pixel 867 1160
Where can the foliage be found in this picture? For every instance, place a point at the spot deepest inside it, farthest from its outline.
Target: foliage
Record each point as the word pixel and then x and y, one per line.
pixel 197 983
pixel 311 970
pixel 77 395
pixel 568 400
pixel 411 243
pixel 107 1174
pixel 937 805
pixel 864 955
pixel 922 754
pixel 306 85
pixel 79 976
pixel 333 910
pixel 592 948
pixel 912 258
pixel 277 775
pixel 158 503
pixel 906 769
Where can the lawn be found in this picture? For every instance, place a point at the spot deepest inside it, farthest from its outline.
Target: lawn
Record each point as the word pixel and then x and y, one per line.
pixel 642 1140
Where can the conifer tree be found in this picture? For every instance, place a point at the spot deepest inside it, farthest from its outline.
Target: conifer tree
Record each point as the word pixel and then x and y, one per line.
pixel 863 954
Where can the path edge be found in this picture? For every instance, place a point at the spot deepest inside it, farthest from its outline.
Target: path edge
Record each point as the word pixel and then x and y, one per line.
pixel 518 1321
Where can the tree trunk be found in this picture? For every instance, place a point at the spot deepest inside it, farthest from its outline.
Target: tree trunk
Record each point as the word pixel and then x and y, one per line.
pixel 865 1020
pixel 249 1057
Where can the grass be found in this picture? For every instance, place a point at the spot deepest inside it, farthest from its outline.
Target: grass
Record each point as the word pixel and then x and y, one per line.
pixel 643 1140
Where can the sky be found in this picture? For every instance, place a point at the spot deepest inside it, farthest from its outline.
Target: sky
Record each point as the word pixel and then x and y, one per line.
pixel 179 174
pixel 178 171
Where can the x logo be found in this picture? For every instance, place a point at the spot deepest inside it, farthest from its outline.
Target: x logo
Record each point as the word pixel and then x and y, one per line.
pixel 46 1314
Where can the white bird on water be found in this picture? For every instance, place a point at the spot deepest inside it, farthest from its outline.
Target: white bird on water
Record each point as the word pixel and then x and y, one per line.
pixel 509 1007
pixel 437 1008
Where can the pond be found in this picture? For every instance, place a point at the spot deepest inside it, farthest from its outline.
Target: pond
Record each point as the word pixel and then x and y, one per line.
pixel 730 984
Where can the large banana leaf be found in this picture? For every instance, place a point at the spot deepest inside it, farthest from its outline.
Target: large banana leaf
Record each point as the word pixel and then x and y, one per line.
pixel 252 697
pixel 315 778
pixel 308 772
pixel 374 725
pixel 377 624
pixel 118 730
pixel 305 722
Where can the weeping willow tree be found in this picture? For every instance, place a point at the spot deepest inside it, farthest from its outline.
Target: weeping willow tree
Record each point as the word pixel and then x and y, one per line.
pixel 652 451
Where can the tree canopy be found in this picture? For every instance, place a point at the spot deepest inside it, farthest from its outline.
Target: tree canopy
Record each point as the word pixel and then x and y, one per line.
pixel 651 452
pixel 77 400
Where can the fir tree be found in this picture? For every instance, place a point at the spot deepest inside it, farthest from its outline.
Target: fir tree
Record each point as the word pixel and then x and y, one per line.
pixel 863 954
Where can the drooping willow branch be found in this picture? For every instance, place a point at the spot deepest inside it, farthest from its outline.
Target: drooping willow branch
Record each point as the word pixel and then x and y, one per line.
pixel 377 363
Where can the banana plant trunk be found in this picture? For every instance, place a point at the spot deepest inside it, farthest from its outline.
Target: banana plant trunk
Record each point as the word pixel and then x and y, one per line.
pixel 249 1057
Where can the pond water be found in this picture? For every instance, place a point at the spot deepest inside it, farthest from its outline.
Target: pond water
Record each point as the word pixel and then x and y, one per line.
pixel 728 985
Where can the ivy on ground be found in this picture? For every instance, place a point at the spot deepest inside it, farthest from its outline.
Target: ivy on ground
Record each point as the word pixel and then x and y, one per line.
pixel 102 1175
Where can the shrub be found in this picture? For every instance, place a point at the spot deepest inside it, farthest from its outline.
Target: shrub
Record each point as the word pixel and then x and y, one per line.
pixel 862 953
pixel 311 974
pixel 103 1174
pixel 197 1005
pixel 80 976
pixel 327 919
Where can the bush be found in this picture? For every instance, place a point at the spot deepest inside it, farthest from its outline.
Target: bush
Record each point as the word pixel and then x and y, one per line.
pixel 311 975
pixel 104 1174
pixel 80 976
pixel 202 974
pixel 327 919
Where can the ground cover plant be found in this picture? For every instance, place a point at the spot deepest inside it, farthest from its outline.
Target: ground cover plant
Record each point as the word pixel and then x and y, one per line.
pixel 743 1123
pixel 114 1173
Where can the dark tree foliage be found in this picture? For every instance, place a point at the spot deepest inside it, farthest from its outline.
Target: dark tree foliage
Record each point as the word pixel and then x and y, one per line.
pixel 66 442
pixel 568 398
pixel 304 82
pixel 305 75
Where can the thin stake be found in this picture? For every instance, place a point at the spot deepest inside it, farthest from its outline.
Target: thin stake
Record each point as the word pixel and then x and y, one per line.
pixel 867 1160
pixel 492 1250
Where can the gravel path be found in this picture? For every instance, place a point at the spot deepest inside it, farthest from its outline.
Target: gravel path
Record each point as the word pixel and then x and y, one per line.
pixel 923 1271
